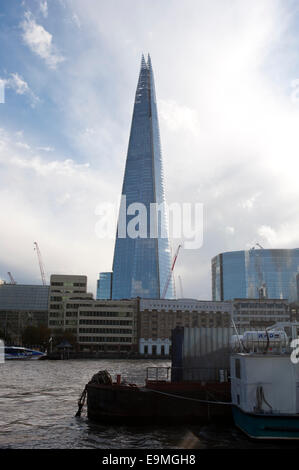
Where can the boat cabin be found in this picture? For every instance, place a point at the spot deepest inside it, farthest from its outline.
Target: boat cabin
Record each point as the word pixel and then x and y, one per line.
pixel 264 378
pixel 265 383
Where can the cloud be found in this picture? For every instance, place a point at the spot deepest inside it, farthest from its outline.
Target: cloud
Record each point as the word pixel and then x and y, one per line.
pixel 46 149
pixel 76 21
pixel 39 40
pixel 249 203
pixel 230 230
pixel 20 86
pixel 52 201
pixel 44 8
pixel 178 117
pixel 65 167
pixel 23 145
pixel 268 234
pixel 284 235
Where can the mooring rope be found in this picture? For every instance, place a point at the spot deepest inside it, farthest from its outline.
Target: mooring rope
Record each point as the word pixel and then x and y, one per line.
pixel 81 402
pixel 209 402
pixel 82 398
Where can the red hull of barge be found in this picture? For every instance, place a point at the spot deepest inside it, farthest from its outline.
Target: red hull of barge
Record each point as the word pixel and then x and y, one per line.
pixel 155 403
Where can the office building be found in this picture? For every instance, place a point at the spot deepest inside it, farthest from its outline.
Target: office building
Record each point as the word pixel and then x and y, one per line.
pixel 256 273
pixel 22 306
pixel 294 311
pixel 104 286
pixel 108 326
pixel 258 314
pixel 157 319
pixel 212 321
pixel 142 263
pixel 67 294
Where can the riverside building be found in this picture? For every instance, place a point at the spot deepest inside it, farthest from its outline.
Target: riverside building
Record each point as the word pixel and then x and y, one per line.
pixel 258 314
pixel 67 294
pixel 157 319
pixel 212 320
pixel 22 306
pixel 108 326
pixel 99 325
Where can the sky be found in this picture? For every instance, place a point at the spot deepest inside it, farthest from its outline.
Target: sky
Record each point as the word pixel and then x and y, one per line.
pixel 227 85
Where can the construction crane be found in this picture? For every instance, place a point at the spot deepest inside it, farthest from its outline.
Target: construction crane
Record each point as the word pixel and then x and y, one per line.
pixel 257 244
pixel 181 287
pixel 171 271
pixel 12 281
pixel 41 267
pixel 174 288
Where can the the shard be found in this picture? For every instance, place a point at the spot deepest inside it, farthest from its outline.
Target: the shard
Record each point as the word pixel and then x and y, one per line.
pixel 142 264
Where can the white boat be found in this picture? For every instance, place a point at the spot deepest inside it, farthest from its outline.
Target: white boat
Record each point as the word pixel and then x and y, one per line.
pixel 265 383
pixel 20 353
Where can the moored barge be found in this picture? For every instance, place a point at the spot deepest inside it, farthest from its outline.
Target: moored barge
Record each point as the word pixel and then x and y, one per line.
pixel 157 402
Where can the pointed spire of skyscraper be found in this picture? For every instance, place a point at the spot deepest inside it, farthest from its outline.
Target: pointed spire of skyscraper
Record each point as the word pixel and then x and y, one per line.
pixel 142 263
pixel 143 63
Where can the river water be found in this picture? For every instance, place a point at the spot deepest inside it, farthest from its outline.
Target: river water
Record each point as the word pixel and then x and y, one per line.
pixel 38 403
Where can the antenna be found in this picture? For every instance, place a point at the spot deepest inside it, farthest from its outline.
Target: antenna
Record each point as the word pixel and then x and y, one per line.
pixel 41 267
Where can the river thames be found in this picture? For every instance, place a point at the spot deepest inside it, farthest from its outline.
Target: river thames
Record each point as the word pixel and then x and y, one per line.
pixel 39 402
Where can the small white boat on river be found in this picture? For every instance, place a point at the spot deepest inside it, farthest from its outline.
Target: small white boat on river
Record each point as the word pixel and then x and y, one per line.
pixel 20 353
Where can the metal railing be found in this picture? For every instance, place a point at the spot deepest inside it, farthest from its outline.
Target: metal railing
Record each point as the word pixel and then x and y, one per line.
pixel 158 373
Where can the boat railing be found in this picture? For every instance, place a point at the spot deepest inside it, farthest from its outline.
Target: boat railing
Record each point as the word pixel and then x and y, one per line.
pixel 158 373
pixel 179 374
pixel 262 346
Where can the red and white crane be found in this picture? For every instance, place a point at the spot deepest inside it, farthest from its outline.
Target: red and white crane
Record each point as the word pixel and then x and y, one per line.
pixel 40 262
pixel 171 271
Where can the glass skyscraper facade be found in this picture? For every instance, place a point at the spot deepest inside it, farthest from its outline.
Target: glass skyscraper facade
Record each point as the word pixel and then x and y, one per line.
pixel 104 286
pixel 142 264
pixel 256 273
pixel 20 297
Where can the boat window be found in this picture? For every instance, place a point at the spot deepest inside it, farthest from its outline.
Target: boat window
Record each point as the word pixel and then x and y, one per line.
pixel 238 368
pixel 12 350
